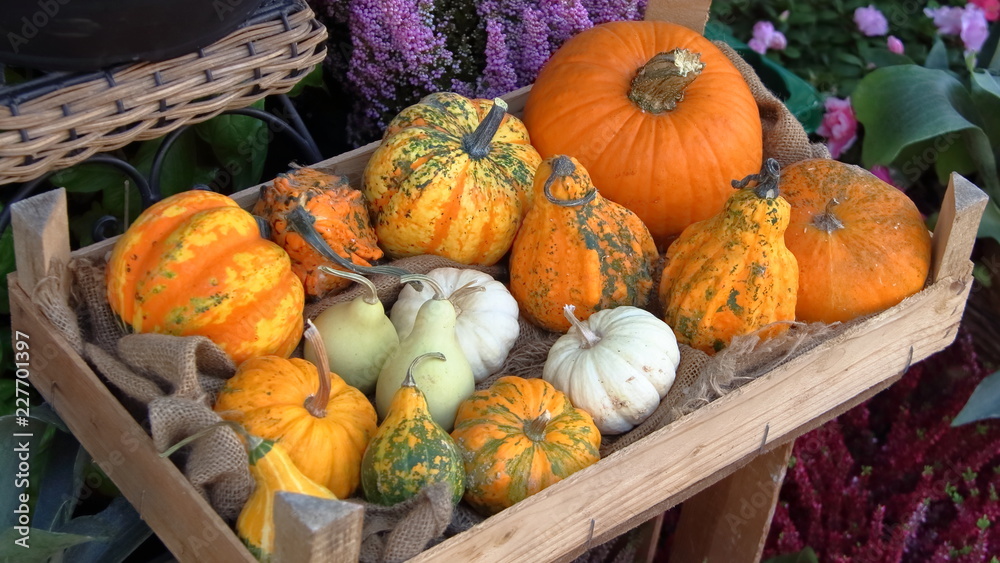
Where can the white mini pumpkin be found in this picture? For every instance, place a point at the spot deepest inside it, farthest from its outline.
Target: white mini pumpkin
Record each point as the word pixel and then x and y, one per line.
pixel 487 319
pixel 617 365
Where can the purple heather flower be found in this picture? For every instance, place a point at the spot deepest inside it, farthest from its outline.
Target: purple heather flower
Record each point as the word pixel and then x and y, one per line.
pixel 871 21
pixel 948 19
pixel 534 48
pixel 766 37
pixel 975 29
pixel 498 76
pixel 895 45
pixel 839 125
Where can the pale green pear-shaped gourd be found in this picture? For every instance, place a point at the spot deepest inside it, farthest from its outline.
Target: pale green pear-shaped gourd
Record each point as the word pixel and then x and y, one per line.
pixel 444 387
pixel 358 335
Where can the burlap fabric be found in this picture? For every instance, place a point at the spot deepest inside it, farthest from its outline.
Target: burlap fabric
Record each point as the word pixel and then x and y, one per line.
pixel 175 379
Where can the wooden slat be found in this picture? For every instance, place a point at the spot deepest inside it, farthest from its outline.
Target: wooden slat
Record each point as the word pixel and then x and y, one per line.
pixel 41 235
pixel 955 232
pixel 692 14
pixel 729 521
pixel 316 530
pixel 696 451
pixel 188 526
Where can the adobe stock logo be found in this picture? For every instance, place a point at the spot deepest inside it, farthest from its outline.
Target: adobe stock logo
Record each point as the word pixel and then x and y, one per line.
pixel 32 23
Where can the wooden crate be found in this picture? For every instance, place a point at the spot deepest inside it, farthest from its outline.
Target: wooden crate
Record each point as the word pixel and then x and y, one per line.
pixel 727 457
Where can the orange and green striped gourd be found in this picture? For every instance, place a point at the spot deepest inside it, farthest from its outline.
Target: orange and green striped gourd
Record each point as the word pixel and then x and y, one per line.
pixel 732 274
pixel 578 248
pixel 519 437
pixel 273 471
pixel 323 423
pixel 195 264
pixel 410 451
pixel 451 177
pixel 339 215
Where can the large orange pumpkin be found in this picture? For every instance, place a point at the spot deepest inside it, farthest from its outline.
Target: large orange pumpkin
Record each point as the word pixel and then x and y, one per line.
pixel 657 114
pixel 861 244
pixel 195 264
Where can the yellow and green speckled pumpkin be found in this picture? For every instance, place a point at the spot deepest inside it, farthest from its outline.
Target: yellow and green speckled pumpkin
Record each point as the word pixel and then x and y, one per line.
pixel 410 451
pixel 577 248
pixel 519 437
pixel 452 177
pixel 339 215
pixel 323 423
pixel 272 470
pixel 195 264
pixel 732 274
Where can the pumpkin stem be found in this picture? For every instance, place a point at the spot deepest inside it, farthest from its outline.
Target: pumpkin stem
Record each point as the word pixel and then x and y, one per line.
pixel 263 227
pixel 590 338
pixel 659 85
pixel 766 179
pixel 461 292
pixel 477 143
pixel 534 429
pixel 371 292
pixel 409 381
pixel 316 404
pixel 421 279
pixel 562 166
pixel 827 221
pixel 301 222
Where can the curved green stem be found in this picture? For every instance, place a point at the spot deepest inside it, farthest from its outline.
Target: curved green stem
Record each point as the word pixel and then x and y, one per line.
pixel 563 166
pixel 590 338
pixel 316 403
pixel 766 179
pixel 477 143
pixel 301 222
pixel 424 278
pixel 408 381
pixel 371 293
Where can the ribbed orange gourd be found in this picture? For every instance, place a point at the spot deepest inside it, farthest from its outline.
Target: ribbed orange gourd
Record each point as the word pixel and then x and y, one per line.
pixel 339 215
pixel 519 437
pixel 732 274
pixel 861 244
pixel 452 177
pixel 657 114
pixel 195 264
pixel 577 248
pixel 323 423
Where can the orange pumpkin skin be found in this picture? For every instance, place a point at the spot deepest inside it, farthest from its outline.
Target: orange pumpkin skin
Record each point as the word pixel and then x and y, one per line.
pixel 267 395
pixel 596 255
pixel 340 216
pixel 862 254
pixel 519 437
pixel 429 194
pixel 731 274
pixel 671 168
pixel 195 264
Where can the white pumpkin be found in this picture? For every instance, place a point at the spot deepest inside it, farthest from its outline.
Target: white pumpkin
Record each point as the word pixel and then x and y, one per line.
pixel 617 365
pixel 487 318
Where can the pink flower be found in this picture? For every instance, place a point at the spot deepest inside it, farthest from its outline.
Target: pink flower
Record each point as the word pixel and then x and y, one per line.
pixel 895 45
pixel 991 7
pixel 766 37
pixel 883 173
pixel 839 125
pixel 870 21
pixel 948 19
pixel 975 29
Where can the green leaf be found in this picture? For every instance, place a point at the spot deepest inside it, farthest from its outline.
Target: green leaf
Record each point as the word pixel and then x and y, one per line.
pixel 239 143
pixel 937 58
pixel 989 226
pixel 8 389
pixel 60 483
pixel 119 528
pixel 42 545
pixel 902 106
pixel 807 555
pixel 177 172
pixel 986 96
pixel 313 79
pixel 983 404
pixel 88 178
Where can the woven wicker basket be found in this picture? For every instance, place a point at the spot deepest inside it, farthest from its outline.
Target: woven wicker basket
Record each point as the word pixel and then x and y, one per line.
pixel 63 119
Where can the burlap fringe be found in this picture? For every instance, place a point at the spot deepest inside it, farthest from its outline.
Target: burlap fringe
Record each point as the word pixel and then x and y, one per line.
pixel 175 379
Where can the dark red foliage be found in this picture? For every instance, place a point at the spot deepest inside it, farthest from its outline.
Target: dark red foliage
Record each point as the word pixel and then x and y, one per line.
pixel 891 480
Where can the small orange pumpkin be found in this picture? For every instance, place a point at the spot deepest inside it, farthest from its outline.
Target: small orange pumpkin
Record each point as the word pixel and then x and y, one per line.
pixel 732 274
pixel 519 437
pixel 577 248
pixel 195 264
pixel 861 244
pixel 339 215
pixel 658 115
